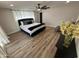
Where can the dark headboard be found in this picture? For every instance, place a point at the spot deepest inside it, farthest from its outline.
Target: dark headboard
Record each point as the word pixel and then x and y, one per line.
pixel 26 19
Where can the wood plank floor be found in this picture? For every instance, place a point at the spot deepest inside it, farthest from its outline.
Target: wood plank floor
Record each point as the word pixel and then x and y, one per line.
pixel 41 45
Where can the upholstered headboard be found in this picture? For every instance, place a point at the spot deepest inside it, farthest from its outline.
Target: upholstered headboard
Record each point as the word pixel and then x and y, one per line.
pixel 31 20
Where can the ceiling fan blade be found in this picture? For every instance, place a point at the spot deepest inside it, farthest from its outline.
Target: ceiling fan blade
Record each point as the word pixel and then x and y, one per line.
pixel 48 7
pixel 45 7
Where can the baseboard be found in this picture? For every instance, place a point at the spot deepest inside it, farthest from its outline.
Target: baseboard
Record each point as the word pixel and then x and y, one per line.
pixel 13 32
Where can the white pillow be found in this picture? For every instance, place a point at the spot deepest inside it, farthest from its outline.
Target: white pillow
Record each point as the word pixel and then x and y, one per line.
pixel 22 23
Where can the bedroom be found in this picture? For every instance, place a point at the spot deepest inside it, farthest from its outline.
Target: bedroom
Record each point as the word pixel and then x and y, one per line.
pixel 22 44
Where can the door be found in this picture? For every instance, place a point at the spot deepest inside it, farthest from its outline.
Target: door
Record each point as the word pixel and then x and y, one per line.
pixel 3 41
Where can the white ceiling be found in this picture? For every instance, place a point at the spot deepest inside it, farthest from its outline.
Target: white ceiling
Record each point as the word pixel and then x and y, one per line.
pixel 30 5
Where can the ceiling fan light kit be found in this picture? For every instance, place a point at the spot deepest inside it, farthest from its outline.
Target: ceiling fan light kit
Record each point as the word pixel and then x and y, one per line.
pixel 39 8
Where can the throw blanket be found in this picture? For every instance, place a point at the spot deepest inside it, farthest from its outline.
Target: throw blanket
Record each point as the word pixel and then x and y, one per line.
pixel 33 27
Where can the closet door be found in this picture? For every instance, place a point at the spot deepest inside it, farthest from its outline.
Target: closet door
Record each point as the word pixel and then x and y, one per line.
pixel 4 36
pixel 3 41
pixel 3 51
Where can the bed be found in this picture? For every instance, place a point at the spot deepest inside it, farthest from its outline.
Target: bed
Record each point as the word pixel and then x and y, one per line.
pixel 30 27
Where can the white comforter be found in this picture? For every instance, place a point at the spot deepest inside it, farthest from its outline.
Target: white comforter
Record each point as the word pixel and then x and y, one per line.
pixel 25 28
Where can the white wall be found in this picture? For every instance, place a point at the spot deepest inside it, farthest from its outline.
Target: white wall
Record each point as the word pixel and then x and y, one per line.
pixel 54 16
pixel 7 21
pixel 3 41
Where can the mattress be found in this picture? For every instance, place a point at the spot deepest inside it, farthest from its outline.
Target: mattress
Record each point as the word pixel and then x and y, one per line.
pixel 26 28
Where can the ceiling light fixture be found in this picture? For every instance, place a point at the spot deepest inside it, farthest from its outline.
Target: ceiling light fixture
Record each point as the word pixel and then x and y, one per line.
pixel 11 5
pixel 67 1
pixel 38 9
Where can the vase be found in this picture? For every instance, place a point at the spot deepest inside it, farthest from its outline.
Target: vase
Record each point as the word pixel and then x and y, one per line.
pixel 67 41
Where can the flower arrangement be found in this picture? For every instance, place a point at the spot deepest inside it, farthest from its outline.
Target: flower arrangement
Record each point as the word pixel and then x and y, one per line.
pixel 70 31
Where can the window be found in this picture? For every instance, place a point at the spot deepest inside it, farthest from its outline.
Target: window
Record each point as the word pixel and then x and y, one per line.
pixel 23 14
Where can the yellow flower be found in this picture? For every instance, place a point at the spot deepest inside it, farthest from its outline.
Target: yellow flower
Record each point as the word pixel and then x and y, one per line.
pixel 68 28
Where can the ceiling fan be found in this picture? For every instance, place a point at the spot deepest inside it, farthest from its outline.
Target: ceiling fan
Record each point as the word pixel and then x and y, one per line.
pixel 38 7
